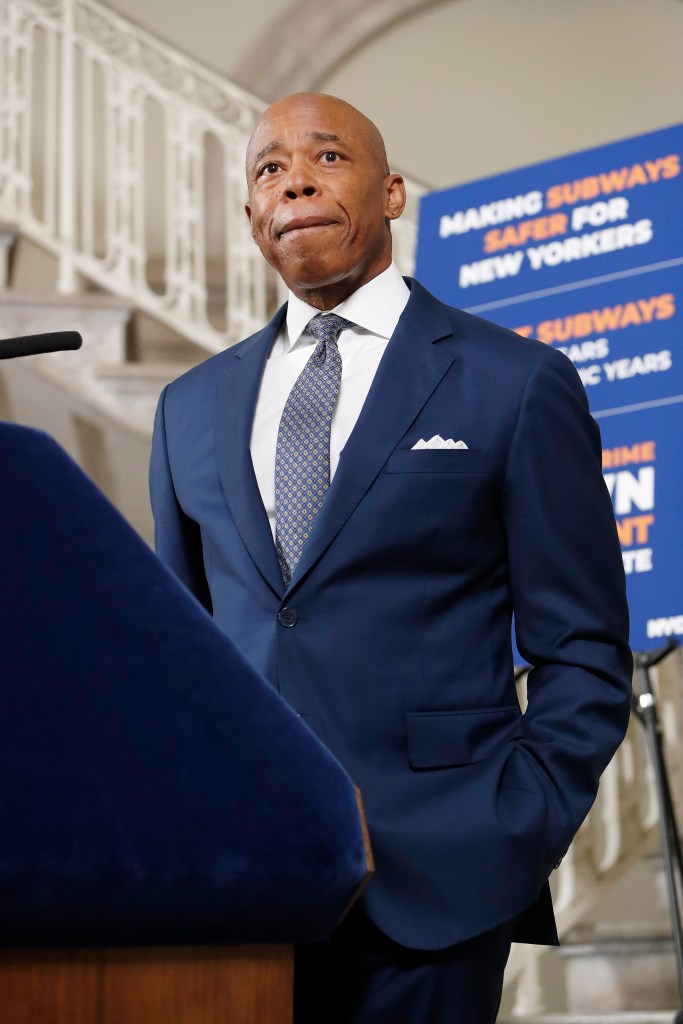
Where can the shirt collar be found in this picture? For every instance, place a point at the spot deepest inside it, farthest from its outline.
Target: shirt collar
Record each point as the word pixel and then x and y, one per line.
pixel 376 307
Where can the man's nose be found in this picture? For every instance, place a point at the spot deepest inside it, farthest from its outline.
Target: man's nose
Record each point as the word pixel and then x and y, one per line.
pixel 300 181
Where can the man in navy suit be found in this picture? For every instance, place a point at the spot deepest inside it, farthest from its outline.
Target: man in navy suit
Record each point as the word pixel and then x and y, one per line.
pixel 464 485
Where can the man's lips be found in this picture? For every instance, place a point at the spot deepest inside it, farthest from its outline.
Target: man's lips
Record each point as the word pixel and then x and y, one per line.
pixel 303 223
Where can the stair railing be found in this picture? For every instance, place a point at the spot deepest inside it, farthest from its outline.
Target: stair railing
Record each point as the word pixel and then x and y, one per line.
pixel 125 159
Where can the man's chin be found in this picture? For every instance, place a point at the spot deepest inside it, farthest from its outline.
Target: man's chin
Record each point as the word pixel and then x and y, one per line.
pixel 310 274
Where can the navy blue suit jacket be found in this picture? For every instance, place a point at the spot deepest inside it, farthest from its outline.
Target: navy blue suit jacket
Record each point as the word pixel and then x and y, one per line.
pixel 396 647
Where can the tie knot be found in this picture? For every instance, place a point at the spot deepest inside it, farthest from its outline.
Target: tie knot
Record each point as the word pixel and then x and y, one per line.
pixel 327 328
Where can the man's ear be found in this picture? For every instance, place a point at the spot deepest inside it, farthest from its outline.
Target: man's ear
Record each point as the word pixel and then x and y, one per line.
pixel 247 210
pixel 396 196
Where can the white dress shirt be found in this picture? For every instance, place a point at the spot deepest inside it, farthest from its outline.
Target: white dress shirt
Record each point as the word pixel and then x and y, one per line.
pixel 375 310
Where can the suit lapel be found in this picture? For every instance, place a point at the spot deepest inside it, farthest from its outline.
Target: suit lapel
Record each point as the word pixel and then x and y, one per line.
pixel 411 368
pixel 235 403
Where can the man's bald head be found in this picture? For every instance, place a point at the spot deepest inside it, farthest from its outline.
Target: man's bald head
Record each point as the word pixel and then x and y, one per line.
pixel 321 197
pixel 357 124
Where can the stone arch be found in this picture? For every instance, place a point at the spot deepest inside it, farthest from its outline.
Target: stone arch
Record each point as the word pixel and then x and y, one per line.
pixel 309 39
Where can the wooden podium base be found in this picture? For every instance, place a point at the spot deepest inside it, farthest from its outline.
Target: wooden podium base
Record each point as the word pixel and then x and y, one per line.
pixel 160 985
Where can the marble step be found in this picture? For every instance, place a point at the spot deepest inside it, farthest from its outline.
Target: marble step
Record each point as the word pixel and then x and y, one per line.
pixel 619 967
pixel 621 1017
pixel 152 344
pixel 137 386
pixel 101 320
pixel 141 378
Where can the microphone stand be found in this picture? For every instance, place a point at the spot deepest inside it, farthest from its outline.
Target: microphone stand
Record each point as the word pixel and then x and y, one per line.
pixel 645 708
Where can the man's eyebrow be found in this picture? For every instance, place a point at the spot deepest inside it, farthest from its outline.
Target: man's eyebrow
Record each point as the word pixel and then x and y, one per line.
pixel 275 144
pixel 325 137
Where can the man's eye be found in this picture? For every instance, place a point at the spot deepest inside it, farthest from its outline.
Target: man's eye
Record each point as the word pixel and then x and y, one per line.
pixel 330 157
pixel 271 168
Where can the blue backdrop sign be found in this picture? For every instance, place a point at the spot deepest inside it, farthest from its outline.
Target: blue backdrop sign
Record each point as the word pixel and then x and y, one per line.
pixel 585 253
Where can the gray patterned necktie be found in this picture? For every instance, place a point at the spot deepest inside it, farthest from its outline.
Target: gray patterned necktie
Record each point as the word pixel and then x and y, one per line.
pixel 302 453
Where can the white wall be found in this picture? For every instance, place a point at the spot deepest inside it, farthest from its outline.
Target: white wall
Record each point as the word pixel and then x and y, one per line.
pixel 475 87
pixel 214 33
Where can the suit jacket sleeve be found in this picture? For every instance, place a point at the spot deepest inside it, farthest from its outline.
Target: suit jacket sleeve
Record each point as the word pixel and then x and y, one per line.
pixel 567 582
pixel 177 537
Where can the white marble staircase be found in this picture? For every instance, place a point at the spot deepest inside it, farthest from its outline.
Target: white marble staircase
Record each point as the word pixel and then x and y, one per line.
pixel 620 1017
pixel 122 173
pixel 98 402
pixel 618 967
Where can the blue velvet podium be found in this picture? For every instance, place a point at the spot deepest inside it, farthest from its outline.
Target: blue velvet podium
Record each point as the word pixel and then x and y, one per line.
pixel 165 817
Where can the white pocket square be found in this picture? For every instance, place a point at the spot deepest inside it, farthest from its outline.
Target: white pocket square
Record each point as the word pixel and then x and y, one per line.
pixel 438 442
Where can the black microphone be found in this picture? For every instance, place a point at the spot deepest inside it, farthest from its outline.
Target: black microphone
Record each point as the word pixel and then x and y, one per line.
pixel 36 344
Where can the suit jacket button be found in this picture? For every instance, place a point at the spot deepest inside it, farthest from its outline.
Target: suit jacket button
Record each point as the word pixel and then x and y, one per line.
pixel 287 617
